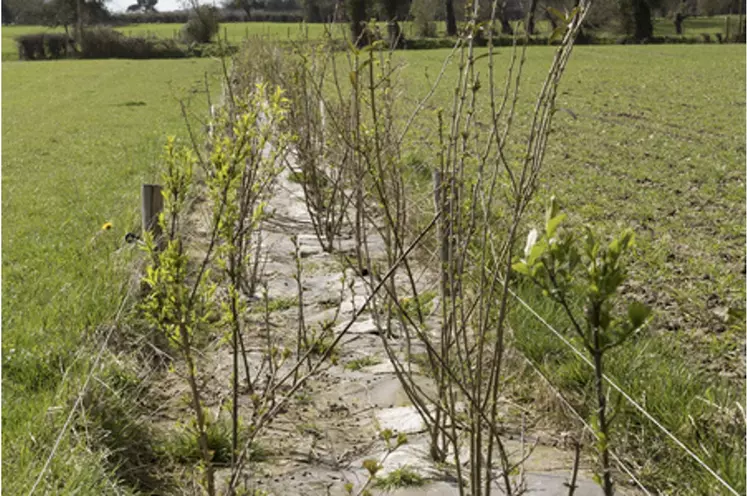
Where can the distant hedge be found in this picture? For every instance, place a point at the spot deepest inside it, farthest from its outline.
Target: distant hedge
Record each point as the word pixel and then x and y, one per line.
pixel 41 46
pixel 181 17
pixel 106 43
pixel 504 40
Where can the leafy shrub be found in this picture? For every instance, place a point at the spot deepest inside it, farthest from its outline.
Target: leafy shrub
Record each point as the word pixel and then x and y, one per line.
pixel 103 43
pixel 424 17
pixel 202 26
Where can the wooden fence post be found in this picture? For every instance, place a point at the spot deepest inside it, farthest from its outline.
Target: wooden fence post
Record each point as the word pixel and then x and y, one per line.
pixel 152 206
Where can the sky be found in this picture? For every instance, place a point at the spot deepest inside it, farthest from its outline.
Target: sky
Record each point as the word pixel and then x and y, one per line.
pixel 163 5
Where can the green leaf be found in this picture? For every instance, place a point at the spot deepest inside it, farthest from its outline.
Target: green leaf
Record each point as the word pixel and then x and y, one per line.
pixel 556 34
pixel 365 64
pixel 521 268
pixel 552 224
pixel 551 210
pixel 558 15
pixel 638 313
pixel 372 466
pixel 537 251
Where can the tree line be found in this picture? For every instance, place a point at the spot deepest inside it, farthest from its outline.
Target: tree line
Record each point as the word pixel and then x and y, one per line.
pixel 631 17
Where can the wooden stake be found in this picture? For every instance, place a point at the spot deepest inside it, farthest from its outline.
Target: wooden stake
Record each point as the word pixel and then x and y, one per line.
pixel 152 206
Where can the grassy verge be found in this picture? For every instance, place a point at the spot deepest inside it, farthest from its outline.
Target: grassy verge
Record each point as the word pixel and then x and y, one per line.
pixel 79 137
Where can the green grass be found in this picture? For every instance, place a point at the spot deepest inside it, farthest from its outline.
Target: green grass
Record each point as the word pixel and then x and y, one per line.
pixel 79 137
pixel 276 305
pixel 359 363
pixel 656 144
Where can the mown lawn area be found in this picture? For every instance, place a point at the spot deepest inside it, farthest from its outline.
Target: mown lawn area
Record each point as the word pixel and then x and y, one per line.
pixel 79 138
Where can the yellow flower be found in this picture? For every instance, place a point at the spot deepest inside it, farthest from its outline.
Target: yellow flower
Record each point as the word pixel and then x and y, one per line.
pixel 106 226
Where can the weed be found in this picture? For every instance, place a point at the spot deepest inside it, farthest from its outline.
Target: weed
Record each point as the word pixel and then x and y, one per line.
pixel 424 300
pixel 362 362
pixel 277 305
pixel 399 478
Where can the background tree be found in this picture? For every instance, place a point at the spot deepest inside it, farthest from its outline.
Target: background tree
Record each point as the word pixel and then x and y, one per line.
pixel 245 5
pixel 394 33
pixel 357 20
pixel 311 12
pixel 7 14
pixel 78 13
pixel 423 13
pixel 143 6
pixel 320 10
pixel 530 16
pixel 637 18
pixel 451 25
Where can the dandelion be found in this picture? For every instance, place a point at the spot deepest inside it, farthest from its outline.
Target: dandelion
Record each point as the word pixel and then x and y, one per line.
pixel 106 226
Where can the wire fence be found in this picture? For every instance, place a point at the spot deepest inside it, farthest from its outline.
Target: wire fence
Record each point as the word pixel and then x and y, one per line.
pixel 80 395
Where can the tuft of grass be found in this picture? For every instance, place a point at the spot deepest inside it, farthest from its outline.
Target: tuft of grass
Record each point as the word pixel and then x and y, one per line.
pixel 181 444
pixel 362 362
pixel 399 478
pixel 276 305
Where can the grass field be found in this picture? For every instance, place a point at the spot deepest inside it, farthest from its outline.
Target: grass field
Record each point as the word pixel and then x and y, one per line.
pixel 653 141
pixel 236 32
pixel 79 137
pixel 652 138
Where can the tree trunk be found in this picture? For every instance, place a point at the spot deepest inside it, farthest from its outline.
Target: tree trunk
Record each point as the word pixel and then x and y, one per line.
pixel 644 28
pixel 451 26
pixel 678 20
pixel 530 17
pixel 551 18
pixel 247 6
pixel 394 33
pixel 505 25
pixel 79 24
pixel 311 11
pixel 357 20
